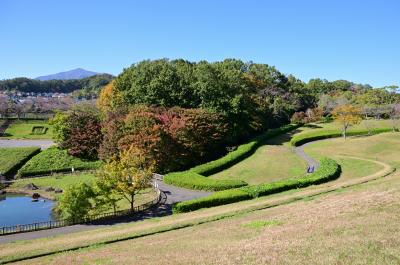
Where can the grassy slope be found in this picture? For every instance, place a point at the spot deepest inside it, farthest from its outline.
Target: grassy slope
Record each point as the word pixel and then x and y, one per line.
pixel 55 160
pixel 389 152
pixel 270 162
pixel 354 226
pixel 62 242
pixel 383 147
pixel 22 129
pixel 10 158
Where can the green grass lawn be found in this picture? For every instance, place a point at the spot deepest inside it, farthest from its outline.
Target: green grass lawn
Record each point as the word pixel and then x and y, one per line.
pixel 54 160
pixel 13 158
pixel 22 129
pixel 384 147
pixel 334 126
pixel 64 181
pixel 269 163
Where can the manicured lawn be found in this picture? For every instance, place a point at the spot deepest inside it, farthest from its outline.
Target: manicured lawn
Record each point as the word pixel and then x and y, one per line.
pixel 334 126
pixel 269 163
pixel 22 129
pixel 357 225
pixel 64 181
pixel 54 160
pixel 383 147
pixel 61 181
pixel 13 158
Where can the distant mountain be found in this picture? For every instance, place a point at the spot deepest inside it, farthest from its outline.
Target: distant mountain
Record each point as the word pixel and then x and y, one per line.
pixel 77 73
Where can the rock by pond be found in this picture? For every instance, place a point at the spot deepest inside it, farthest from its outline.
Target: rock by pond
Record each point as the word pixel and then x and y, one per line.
pixel 30 186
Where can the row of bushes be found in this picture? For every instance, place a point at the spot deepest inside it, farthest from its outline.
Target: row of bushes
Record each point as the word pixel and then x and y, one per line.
pixel 303 138
pixel 196 177
pixel 11 159
pixel 327 171
pixel 55 160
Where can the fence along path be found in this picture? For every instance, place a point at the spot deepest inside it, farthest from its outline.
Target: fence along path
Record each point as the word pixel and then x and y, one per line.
pixel 7 230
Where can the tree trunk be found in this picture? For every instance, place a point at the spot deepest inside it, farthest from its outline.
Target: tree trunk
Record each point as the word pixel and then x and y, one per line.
pixel 132 200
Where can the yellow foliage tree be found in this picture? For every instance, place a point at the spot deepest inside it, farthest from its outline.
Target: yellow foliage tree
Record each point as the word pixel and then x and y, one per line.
pixel 108 98
pixel 127 175
pixel 347 115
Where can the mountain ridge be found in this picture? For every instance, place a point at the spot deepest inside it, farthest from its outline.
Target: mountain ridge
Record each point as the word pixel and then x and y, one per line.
pixel 77 73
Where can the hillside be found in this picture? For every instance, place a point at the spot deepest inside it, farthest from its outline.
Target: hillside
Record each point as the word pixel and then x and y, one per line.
pixel 77 73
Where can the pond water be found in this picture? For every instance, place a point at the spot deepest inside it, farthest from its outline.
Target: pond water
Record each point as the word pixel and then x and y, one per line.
pixel 18 209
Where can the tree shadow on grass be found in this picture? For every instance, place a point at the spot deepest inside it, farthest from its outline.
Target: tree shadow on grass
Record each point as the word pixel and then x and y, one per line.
pixel 159 210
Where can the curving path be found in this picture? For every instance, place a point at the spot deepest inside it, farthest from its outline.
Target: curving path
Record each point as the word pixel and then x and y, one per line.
pixel 43 144
pixel 169 196
pixel 299 150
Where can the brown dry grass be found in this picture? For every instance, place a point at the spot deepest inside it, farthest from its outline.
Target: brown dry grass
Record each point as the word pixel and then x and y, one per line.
pixel 355 226
pixel 20 249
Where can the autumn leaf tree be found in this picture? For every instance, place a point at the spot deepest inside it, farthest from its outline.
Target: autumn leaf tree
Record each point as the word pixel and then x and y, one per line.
pixel 347 115
pixel 125 176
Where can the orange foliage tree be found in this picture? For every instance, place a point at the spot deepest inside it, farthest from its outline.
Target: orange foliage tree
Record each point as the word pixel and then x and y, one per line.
pixel 346 116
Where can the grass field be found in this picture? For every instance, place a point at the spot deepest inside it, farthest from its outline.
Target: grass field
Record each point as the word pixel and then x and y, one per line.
pixel 22 129
pixel 54 160
pixel 12 158
pixel 383 147
pixel 64 181
pixel 273 161
pixel 356 225
pixel 331 223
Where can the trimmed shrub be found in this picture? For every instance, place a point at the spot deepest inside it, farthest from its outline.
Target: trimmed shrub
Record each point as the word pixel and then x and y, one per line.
pixel 195 178
pixel 54 160
pixel 326 134
pixel 242 152
pixel 218 198
pixel 192 180
pixel 11 159
pixel 327 171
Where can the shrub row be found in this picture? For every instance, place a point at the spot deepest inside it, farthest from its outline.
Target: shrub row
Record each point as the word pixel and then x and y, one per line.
pixel 303 138
pixel 194 181
pixel 195 178
pixel 327 171
pixel 11 159
pixel 54 160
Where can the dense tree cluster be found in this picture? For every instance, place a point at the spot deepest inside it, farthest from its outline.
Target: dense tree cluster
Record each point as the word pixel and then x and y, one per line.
pixel 250 96
pixel 23 84
pixel 175 138
pixel 182 113
pixel 79 131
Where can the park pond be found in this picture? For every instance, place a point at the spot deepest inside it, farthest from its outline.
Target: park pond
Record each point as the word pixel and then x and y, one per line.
pixel 19 209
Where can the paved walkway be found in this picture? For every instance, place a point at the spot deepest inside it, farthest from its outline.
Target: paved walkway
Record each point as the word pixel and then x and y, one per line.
pixel 43 144
pixel 169 195
pixel 299 150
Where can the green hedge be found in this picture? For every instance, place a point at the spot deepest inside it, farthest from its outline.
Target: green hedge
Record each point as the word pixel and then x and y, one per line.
pixel 54 160
pixel 196 177
pixel 328 170
pixel 303 138
pixel 194 181
pixel 11 159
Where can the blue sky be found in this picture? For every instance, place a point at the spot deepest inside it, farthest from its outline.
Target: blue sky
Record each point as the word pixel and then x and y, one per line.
pixel 356 40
